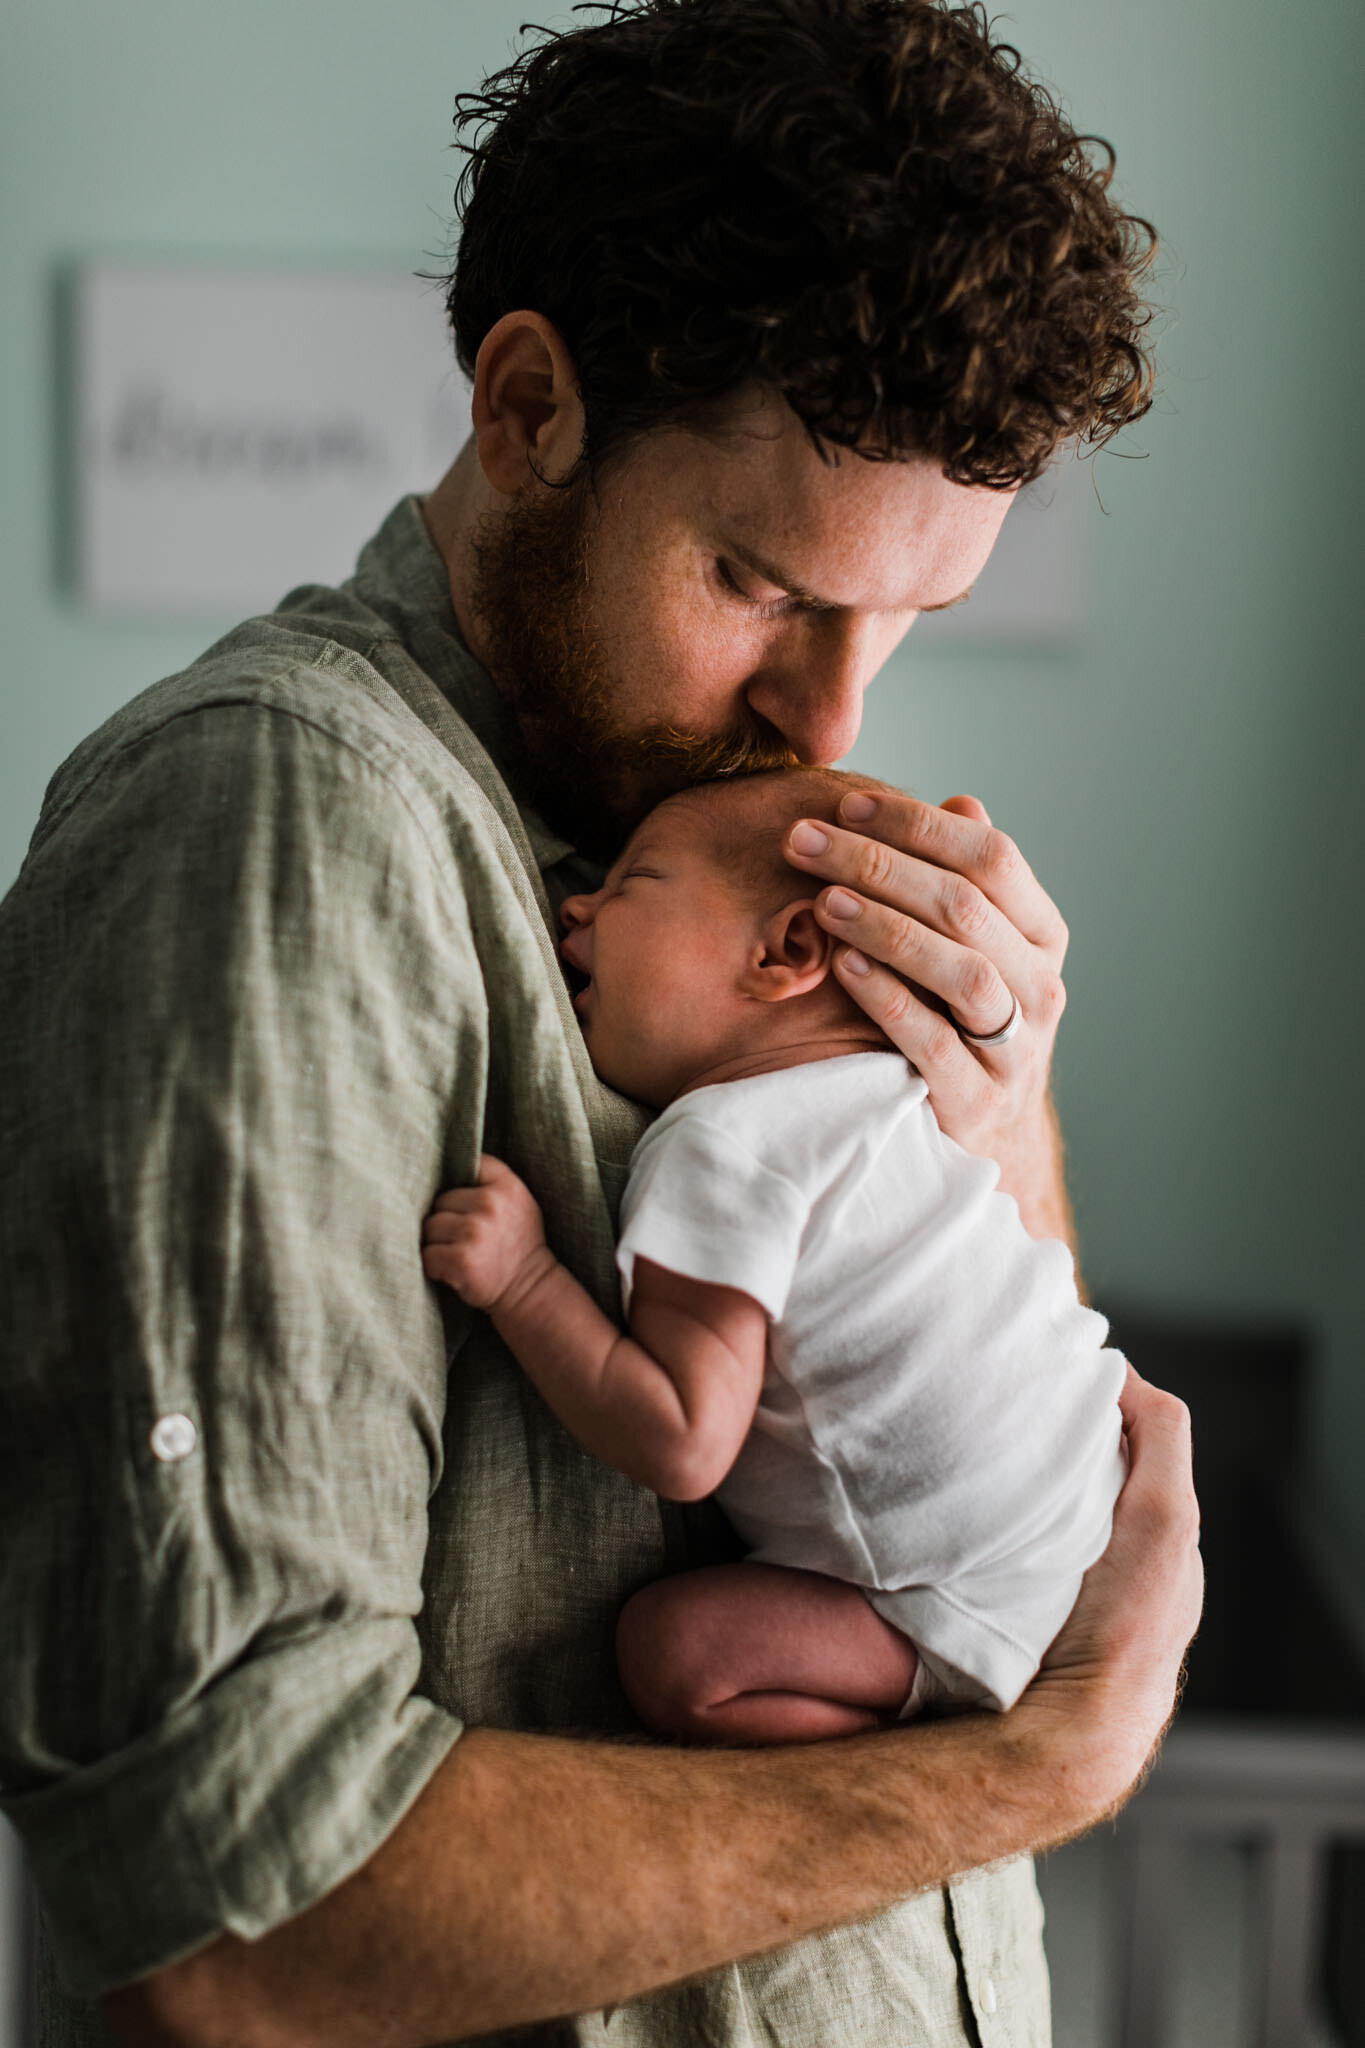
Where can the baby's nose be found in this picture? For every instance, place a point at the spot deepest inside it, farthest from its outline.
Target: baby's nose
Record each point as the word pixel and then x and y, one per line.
pixel 575 911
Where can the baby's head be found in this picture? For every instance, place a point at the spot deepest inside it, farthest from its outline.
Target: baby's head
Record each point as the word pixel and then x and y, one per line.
pixel 702 950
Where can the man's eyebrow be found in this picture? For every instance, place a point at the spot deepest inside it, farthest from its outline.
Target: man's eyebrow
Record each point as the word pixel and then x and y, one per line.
pixel 807 599
pixel 770 573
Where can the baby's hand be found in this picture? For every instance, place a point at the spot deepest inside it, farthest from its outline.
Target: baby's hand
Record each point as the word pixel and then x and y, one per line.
pixel 487 1242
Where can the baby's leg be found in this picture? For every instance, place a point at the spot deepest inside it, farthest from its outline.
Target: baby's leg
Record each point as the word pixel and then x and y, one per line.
pixel 754 1653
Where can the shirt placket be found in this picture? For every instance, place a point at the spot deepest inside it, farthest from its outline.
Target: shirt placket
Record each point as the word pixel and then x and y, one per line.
pixel 1004 2017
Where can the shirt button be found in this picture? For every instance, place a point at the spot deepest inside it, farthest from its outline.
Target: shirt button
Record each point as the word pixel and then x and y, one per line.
pixel 986 1996
pixel 173 1438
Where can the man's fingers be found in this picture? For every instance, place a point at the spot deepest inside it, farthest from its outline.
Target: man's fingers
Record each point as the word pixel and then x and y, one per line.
pixel 1131 1396
pixel 1140 1603
pixel 1160 1450
pixel 978 988
pixel 967 807
pixel 928 1040
pixel 947 870
pixel 1156 1519
pixel 1153 1418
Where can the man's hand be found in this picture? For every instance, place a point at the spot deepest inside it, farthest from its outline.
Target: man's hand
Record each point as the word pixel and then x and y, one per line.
pixel 1118 1663
pixel 487 1242
pixel 945 926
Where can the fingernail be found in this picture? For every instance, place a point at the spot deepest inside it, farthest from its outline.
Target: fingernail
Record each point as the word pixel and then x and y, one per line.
pixel 808 839
pixel 853 961
pixel 839 903
pixel 858 807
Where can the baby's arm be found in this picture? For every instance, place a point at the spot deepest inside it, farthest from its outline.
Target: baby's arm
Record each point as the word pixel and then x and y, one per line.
pixel 670 1404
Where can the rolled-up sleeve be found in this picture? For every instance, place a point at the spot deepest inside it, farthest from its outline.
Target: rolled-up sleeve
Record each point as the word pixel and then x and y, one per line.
pixel 245 1042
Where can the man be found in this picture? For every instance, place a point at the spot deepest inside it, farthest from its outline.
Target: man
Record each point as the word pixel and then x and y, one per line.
pixel 769 304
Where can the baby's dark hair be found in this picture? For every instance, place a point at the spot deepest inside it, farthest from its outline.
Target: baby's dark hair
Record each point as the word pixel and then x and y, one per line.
pixel 864 206
pixel 747 828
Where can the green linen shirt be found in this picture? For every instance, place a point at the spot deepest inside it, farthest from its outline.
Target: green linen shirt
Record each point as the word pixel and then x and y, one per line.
pixel 276 1521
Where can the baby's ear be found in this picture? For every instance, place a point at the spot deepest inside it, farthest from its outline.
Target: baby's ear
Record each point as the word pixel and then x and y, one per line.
pixel 791 956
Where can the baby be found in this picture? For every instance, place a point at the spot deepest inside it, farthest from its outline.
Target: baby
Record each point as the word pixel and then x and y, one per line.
pixel 836 1323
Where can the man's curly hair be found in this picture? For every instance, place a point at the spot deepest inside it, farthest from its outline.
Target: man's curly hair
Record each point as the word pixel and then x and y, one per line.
pixel 862 205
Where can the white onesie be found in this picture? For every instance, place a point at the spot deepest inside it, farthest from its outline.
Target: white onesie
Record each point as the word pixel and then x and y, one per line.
pixel 939 1421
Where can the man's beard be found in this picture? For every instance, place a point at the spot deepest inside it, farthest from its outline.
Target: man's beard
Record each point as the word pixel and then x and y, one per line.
pixel 591 778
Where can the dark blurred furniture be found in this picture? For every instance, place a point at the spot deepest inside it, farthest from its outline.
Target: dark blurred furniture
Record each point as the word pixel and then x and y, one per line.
pixel 1269 1745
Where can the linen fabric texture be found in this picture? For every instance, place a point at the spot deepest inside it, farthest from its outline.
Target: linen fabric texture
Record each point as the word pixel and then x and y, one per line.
pixel 281 962
pixel 939 1417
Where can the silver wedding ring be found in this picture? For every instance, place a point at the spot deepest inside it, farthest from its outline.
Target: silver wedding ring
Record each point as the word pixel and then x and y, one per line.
pixel 1004 1034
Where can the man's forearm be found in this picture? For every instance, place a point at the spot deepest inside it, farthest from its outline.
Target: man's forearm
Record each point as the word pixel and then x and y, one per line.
pixel 537 1876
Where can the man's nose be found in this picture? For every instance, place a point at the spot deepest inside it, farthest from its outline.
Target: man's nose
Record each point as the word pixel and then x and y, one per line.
pixel 811 683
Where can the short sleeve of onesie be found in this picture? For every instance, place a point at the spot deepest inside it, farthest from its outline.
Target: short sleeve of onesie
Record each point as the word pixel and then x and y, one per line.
pixel 699 1203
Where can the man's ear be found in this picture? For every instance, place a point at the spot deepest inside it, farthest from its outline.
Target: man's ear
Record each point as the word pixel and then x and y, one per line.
pixel 791 956
pixel 527 412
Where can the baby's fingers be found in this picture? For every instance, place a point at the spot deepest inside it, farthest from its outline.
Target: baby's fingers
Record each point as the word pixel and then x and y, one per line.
pixel 451 1254
pixel 452 1217
pixel 493 1171
pixel 457 1202
pixel 444 1260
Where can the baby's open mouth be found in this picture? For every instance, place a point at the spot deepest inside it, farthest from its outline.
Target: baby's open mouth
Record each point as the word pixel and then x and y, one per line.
pixel 579 982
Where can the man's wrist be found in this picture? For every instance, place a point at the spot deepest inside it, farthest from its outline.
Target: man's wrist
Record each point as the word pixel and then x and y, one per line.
pixel 1070 1737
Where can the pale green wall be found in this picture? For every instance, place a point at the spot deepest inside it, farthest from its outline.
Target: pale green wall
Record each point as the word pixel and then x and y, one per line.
pixel 1182 777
